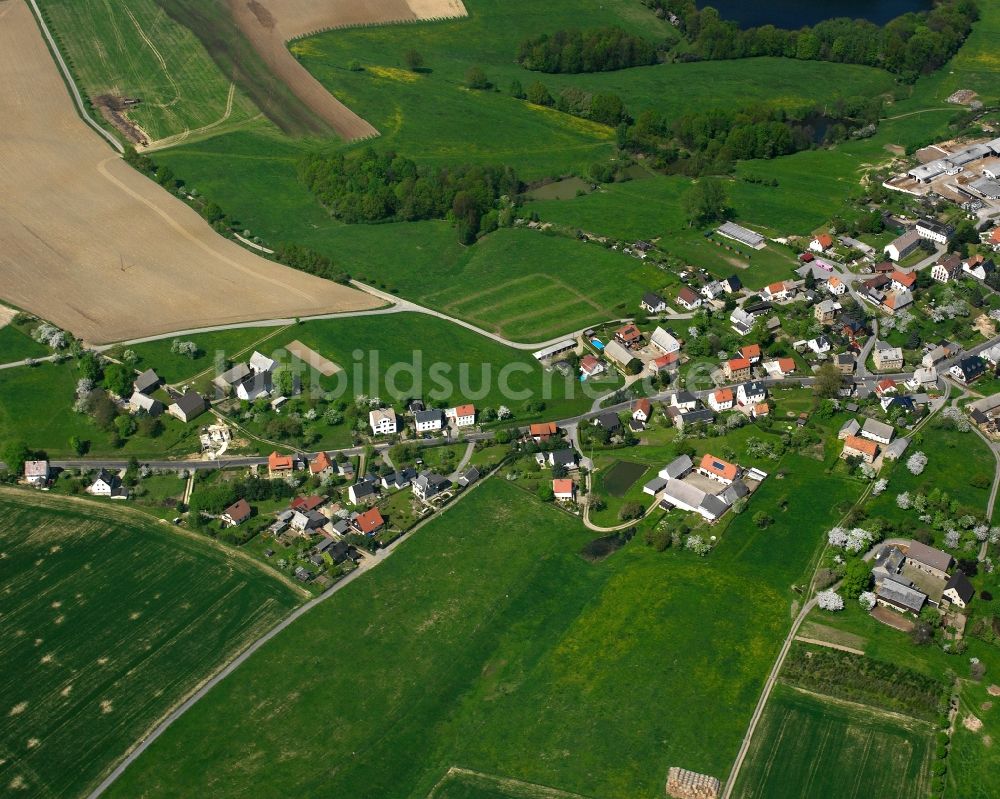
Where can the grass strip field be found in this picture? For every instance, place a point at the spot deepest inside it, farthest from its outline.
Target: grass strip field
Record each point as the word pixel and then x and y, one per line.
pixel 619 478
pixel 807 746
pixel 135 50
pixel 108 620
pixel 487 642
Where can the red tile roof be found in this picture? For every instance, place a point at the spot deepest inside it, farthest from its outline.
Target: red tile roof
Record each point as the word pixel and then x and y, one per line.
pixel 718 467
pixel 544 429
pixel 465 410
pixel 905 278
pixel 776 288
pixel 588 362
pixel 239 510
pixel 763 409
pixel 628 333
pixel 825 240
pixel 995 236
pixel 861 445
pixel 786 365
pixel 665 360
pixel 277 463
pixel 738 364
pixel 306 504
pixel 750 351
pixel 562 486
pixel 687 295
pixel 320 463
pixel 723 395
pixel 643 405
pixel 369 522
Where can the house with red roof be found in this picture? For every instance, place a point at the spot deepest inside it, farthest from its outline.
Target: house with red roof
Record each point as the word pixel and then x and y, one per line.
pixel 836 286
pixel 321 465
pixel 737 369
pixel 718 469
pixel 721 399
pixel 564 489
pixel 664 361
pixel 642 410
pixel 688 299
pixel 369 522
pixel 750 352
pixel 591 366
pixel 462 415
pixel 542 431
pixel 306 504
pixel 777 291
pixel 903 281
pixel 821 243
pixel 629 335
pixel 237 513
pixel 278 465
pixel 855 447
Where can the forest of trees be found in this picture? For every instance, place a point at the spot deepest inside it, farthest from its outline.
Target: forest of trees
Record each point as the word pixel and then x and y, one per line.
pixel 595 50
pixel 911 45
pixel 383 187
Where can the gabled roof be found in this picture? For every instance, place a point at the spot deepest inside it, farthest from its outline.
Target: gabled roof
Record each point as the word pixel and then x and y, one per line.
pixel 276 462
pixel 929 556
pixel 901 596
pixel 433 415
pixel 718 467
pixel 320 463
pixel 240 509
pixel 609 420
pixel 786 365
pixel 465 410
pixel 306 504
pixel 261 363
pixel 686 295
pixel 563 457
pixel 628 332
pixel 825 240
pixel 749 351
pixel 562 486
pixel 723 395
pixel 369 521
pixel 878 429
pixel 653 300
pixel 904 278
pixel 861 445
pixel 235 374
pixel 643 404
pixel 544 429
pixel 678 467
pixel 190 403
pixel 960 584
pixel 146 381
pixel 738 364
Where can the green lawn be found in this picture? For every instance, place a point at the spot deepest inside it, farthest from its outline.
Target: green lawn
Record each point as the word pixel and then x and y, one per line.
pixel 16 345
pixel 490 644
pixel 136 50
pixel 807 746
pixel 109 619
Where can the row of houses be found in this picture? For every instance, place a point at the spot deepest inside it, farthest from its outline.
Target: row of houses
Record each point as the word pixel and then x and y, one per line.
pixel 384 421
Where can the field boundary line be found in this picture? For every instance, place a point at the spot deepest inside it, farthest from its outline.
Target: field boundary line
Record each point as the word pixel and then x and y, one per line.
pixel 829 645
pixel 74 91
pixel 892 715
pixel 523 789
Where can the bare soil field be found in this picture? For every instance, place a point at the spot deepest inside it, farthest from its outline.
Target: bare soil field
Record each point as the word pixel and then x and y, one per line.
pixel 309 356
pixel 102 251
pixel 269 24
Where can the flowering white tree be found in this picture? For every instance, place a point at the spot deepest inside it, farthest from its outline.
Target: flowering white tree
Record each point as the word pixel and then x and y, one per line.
pixel 981 532
pixel 50 335
pixel 858 539
pixel 956 417
pixel 866 599
pixel 868 471
pixel 503 412
pixel 952 538
pixel 916 463
pixel 837 537
pixel 830 600
pixel 693 332
pixel 880 487
pixel 904 500
pixel 698 545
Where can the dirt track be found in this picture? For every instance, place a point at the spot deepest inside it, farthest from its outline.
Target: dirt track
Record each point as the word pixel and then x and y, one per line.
pixel 269 24
pixel 100 250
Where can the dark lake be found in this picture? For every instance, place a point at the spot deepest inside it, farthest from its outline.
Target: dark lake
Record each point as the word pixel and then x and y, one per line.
pixel 793 14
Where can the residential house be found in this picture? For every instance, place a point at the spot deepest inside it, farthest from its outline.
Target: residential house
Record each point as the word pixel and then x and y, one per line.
pixel 657 365
pixel 362 492
pixel 188 406
pixel 958 590
pixel 780 367
pixel 36 473
pixel 305 522
pixel 399 480
pixel 542 431
pixel 948 267
pixel 929 560
pixel 463 415
pixel 609 421
pixel 147 382
pixel 923 377
pixel 144 403
pixel 591 366
pixel 877 431
pixel 887 358
pixel 629 336
pixel 429 421
pixel 751 393
pixel 836 286
pixel 968 369
pixel 845 362
pixel 901 247
pixel 279 464
pixel 564 489
pixel 721 399
pixel 718 469
pixel 732 284
pixel 382 421
pixel 903 281
pixel 750 352
pixel 566 458
pixel 642 410
pixel 619 355
pixel 254 386
pixel 700 416
pixel 684 400
pixel 855 447
pixel 904 404
pixel 108 484
pixel 428 485
pixel 737 369
pixel 369 522
pixel 663 341
pixel 821 243
pixel 991 355
pixel 228 380
pixel 777 291
pixel 260 364
pixel 687 299
pixel 712 289
pixel 468 477
pixel 759 410
pixel 321 465
pixel 826 311
pixel 819 345
pixel 935 356
pixel 884 387
pixel 894 303
pixel 237 513
pixel 934 231
pixel 653 303
pixel 979 267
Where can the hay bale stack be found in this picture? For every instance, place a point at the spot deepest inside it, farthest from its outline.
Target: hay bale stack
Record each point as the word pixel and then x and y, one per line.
pixel 684 784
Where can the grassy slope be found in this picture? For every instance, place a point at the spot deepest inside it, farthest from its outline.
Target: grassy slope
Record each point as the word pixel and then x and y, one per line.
pixel 15 345
pixel 118 50
pixel 489 643
pixel 808 747
pixel 108 620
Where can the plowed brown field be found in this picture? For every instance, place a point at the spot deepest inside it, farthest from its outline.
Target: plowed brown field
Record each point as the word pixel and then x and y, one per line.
pixel 98 249
pixel 269 24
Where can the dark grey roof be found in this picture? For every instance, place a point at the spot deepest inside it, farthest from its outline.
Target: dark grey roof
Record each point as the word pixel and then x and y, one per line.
pixel 469 476
pixel 754 387
pixel 653 300
pixel 734 491
pixel 684 397
pixel 735 284
pixel 973 366
pixel 563 457
pixel 699 415
pixel 191 403
pixel 609 421
pixel 678 467
pixel 890 558
pixel 363 489
pixel 901 596
pixel 415 405
pixel 714 505
pixel 146 382
pixel 235 374
pixel 433 415
pixel 961 585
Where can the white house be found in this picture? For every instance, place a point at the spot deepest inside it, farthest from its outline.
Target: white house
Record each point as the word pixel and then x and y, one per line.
pixel 254 387
pixel 664 341
pixel 564 488
pixel 751 393
pixel 688 299
pixel 143 402
pixel 36 473
pixel 429 421
pixel 653 303
pixel 591 366
pixel 463 415
pixel 947 268
pixel 684 400
pixel 107 484
pixel 819 345
pixel 934 231
pixel 821 243
pixel 879 432
pixel 978 267
pixel 836 286
pixel 777 291
pixel 642 410
pixel 899 248
pixel 259 364
pixel 721 399
pixel 382 421
pixel 712 290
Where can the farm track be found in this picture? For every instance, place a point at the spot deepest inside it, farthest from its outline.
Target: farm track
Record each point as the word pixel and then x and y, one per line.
pixel 102 251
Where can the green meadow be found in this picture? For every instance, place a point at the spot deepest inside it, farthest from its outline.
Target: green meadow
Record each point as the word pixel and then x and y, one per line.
pixel 488 643
pixel 109 619
pixel 137 50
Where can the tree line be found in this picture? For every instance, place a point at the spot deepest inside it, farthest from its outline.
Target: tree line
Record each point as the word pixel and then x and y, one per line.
pixel 387 187
pixel 909 46
pixel 594 50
